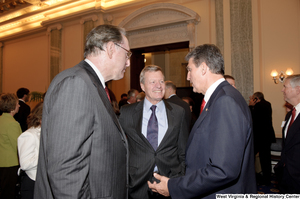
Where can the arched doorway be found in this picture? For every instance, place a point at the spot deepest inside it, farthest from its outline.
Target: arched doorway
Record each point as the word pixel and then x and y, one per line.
pixel 158 26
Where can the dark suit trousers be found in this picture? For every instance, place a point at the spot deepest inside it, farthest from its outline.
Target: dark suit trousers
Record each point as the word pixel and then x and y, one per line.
pixel 8 181
pixel 287 185
pixel 27 187
pixel 265 162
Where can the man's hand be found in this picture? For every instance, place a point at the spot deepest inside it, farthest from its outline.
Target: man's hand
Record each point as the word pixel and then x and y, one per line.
pixel 253 100
pixel 162 187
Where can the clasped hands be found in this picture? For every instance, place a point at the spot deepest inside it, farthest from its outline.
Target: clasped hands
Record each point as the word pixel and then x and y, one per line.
pixel 162 187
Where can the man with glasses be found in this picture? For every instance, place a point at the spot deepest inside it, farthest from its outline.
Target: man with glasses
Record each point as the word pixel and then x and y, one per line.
pixel 83 150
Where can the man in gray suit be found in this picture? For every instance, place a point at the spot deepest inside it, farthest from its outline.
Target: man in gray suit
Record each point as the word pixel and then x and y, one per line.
pixel 165 153
pixel 83 150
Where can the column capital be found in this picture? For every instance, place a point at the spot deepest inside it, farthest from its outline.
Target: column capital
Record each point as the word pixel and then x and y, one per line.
pixel 57 26
pixel 88 18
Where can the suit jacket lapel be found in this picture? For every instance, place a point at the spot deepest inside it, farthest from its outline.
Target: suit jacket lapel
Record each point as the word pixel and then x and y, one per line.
pixel 170 118
pixel 292 131
pixel 101 91
pixel 137 119
pixel 205 112
pixel 288 115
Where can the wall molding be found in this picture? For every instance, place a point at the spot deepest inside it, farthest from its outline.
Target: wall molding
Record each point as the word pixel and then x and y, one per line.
pixel 161 23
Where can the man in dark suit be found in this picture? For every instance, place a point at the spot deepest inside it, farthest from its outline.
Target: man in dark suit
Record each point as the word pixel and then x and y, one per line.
pixel 264 135
pixel 170 96
pixel 288 168
pixel 132 93
pixel 219 154
pixel 24 110
pixel 165 151
pixel 83 150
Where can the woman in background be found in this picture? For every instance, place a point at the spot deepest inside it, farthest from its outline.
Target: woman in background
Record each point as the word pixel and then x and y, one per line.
pixel 10 130
pixel 28 147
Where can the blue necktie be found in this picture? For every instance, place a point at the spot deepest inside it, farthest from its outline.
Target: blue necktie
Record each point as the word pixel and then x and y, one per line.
pixel 152 129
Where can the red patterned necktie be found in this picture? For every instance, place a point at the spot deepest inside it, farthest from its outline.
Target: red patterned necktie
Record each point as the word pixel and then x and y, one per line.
pixel 107 93
pixel 202 105
pixel 292 119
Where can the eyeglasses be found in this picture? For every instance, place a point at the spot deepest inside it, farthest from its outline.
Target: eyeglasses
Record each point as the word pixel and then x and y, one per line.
pixel 128 54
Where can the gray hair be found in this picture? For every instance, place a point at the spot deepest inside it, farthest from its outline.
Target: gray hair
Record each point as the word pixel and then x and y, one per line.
pixel 259 95
pixel 131 92
pixel 294 80
pixel 170 84
pixel 210 55
pixel 149 68
pixel 100 36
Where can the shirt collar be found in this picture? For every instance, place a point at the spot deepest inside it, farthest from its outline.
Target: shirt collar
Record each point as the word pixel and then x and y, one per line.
pixel 171 95
pixel 212 88
pixel 297 107
pixel 147 105
pixel 97 72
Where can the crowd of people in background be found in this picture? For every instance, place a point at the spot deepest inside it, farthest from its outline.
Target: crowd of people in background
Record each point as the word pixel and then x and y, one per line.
pixel 150 144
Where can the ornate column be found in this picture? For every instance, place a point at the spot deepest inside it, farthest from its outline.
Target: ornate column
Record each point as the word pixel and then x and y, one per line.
pixel 88 25
pixel 191 34
pixel 242 45
pixel 108 18
pixel 241 41
pixel 1 66
pixel 219 25
pixel 54 32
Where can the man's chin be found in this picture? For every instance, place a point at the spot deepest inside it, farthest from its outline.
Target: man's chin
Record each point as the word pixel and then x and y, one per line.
pixel 119 77
pixel 194 90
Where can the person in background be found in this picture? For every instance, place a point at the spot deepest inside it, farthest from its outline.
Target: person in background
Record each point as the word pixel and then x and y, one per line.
pixel 219 152
pixel 28 148
pixel 24 110
pixel 264 135
pixel 288 168
pixel 132 93
pixel 113 101
pixel 124 96
pixel 123 100
pixel 230 80
pixel 170 96
pixel 191 103
pixel 83 149
pixel 140 96
pixel 10 130
pixel 288 107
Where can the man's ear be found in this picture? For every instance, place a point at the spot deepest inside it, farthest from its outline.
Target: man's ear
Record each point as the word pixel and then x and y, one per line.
pixel 142 86
pixel 297 89
pixel 204 68
pixel 110 49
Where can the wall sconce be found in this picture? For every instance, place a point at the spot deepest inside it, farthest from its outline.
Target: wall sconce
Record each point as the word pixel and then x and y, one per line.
pixel 280 77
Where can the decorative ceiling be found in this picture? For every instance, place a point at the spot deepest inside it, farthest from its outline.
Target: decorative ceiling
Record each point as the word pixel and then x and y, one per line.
pixel 9 5
pixel 19 17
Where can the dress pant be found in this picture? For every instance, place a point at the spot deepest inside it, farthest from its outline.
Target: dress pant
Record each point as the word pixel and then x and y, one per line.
pixel 287 185
pixel 8 181
pixel 265 162
pixel 27 187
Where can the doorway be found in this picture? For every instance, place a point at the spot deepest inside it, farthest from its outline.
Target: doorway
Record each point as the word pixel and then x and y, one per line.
pixel 170 57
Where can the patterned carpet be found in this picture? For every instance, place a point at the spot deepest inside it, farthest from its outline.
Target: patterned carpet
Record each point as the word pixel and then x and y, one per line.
pixel 269 189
